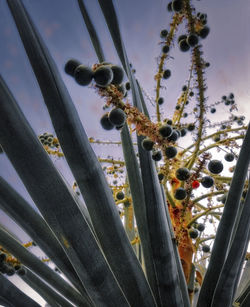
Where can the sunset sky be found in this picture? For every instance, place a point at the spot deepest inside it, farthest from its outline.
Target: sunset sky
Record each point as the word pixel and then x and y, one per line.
pixel 61 25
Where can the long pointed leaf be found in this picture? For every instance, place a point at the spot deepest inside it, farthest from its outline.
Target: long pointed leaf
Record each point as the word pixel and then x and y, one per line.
pixel 55 202
pixel 14 296
pixel 224 231
pixel 84 165
pixel 20 210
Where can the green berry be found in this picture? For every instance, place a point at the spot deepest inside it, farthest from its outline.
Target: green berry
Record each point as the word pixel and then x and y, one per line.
pixel 170 152
pixel 201 227
pixel 215 166
pixel 70 66
pixel 229 157
pixel 103 76
pixel 184 45
pixel 193 233
pixel 180 194
pixel 165 130
pixel 192 40
pixel 105 122
pixel 147 144
pixel 83 75
pixel 119 195
pixel 118 74
pixel 207 181
pixel 117 117
pixel 156 156
pixel 166 74
pixel 182 173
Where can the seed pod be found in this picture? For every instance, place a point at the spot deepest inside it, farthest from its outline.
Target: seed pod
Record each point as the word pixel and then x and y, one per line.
pixel 180 194
pixel 127 86
pixel 70 66
pixel 184 88
pixel 117 117
pixel 169 6
pixel 147 144
pixel 105 122
pixel 103 76
pixel 215 166
pixel 170 152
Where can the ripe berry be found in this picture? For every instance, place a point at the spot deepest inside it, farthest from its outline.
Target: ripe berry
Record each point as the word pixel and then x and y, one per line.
pixel 165 49
pixel 193 233
pixel 83 75
pixel 231 96
pixel 156 156
pixel 171 152
pixel 21 271
pixel 192 40
pixel 195 184
pixel 191 94
pixel 103 76
pixel 169 6
pixel 183 132
pixel 205 248
pixel 147 144
pixel 177 107
pixel 70 66
pixel 182 173
pixel 166 74
pixel 224 97
pixel 184 45
pixel 184 88
pixel 216 138
pixel 121 88
pixel 190 127
pixel 164 33
pixel 119 195
pixel 204 32
pixel 207 182
pixel 177 5
pixel 118 74
pixel 215 166
pixel 180 194
pixel 201 227
pixel 173 137
pixel 165 130
pixel 160 100
pixel 105 122
pixel 213 110
pixel 181 37
pixel 127 86
pixel 229 157
pixel 160 176
pixel 169 122
pixel 117 117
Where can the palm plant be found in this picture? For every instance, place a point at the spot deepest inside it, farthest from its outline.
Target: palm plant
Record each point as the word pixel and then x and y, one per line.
pixel 87 240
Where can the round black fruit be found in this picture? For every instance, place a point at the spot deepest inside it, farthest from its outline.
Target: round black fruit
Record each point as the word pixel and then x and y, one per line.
pixel 160 176
pixel 83 75
pixel 117 117
pixel 173 137
pixel 229 157
pixel 192 40
pixel 164 33
pixel 165 49
pixel 70 66
pixel 177 5
pixel 156 156
pixel 103 76
pixel 184 46
pixel 160 100
pixel 201 227
pixel 147 144
pixel 215 166
pixel 166 74
pixel 182 173
pixel 204 32
pixel 105 122
pixel 118 74
pixel 193 233
pixel 165 130
pixel 206 248
pixel 180 194
pixel 119 195
pixel 170 152
pixel 207 182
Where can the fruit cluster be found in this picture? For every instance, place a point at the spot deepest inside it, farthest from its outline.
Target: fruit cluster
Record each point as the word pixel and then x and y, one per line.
pixel 9 268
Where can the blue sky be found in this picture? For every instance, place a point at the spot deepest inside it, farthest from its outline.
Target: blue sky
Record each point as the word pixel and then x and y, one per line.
pixel 61 26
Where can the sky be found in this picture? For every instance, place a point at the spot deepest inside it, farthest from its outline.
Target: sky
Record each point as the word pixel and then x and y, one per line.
pixel 60 23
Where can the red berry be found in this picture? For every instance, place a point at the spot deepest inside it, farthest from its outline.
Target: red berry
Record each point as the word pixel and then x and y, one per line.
pixel 195 184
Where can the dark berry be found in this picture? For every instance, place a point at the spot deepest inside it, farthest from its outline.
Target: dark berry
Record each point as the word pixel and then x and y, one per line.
pixel 160 176
pixel 216 138
pixel 191 94
pixel 177 5
pixel 215 166
pixel 191 127
pixel 166 74
pixel 207 64
pixel 169 122
pixel 229 157
pixel 231 96
pixel 205 248
pixel 213 110
pixel 170 152
pixel 184 88
pixel 185 115
pixel 147 144
pixel 180 194
pixel 156 156
pixel 173 137
pixel 207 181
pixel 192 40
pixel 21 271
pixel 165 130
pixel 165 49
pixel 201 227
pixel 181 37
pixel 127 86
pixel 227 102
pixel 183 132
pixel 182 173
pixel 105 122
pixel 117 117
pixel 193 233
pixel 121 88
pixel 184 46
pixel 164 33
pixel 70 66
pixel 160 100
pixel 204 32
pixel 83 75
pixel 169 6
pixel 224 97
pixel 177 107
pixel 118 74
pixel 103 76
pixel 119 195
